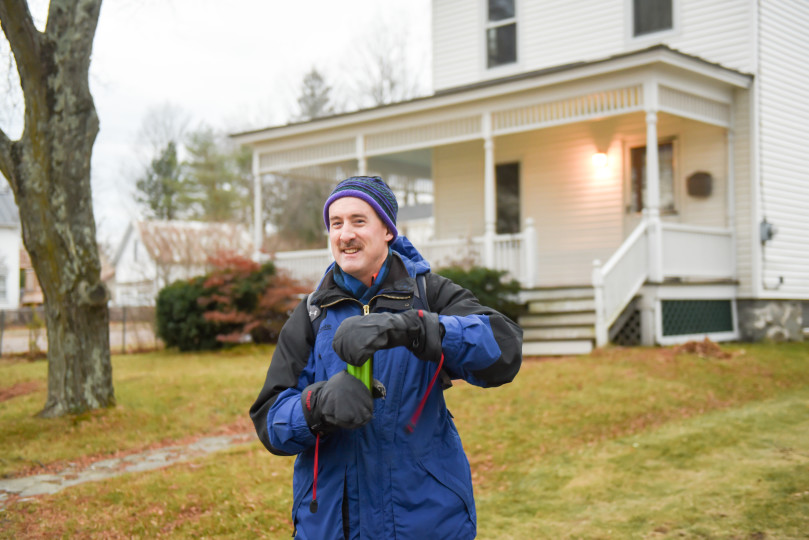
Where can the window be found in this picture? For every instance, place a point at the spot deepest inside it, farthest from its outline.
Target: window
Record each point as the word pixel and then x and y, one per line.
pixel 507 178
pixel 501 33
pixel 665 155
pixel 649 16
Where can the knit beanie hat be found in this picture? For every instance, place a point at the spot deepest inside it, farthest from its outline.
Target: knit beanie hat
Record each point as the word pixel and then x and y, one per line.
pixel 374 191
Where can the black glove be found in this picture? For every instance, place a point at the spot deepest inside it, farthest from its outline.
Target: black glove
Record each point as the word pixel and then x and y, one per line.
pixel 341 402
pixel 359 337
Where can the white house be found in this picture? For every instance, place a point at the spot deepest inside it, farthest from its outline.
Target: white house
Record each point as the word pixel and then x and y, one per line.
pixel 154 253
pixel 637 164
pixel 10 244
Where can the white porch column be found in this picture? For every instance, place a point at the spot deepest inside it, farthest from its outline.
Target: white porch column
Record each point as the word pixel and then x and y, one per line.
pixel 601 329
pixel 651 203
pixel 362 161
pixel 258 226
pixel 489 192
pixel 647 319
pixel 529 239
pixel 731 196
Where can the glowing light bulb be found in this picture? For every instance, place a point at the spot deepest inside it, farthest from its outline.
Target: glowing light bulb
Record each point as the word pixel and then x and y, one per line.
pixel 600 160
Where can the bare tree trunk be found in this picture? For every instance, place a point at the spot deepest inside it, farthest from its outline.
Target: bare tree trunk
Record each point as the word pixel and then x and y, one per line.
pixel 49 171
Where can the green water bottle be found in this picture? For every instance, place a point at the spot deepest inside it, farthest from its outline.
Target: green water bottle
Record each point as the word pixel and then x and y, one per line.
pixel 364 372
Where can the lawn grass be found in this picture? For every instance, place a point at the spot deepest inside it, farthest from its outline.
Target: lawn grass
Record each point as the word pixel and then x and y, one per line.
pixel 632 443
pixel 161 396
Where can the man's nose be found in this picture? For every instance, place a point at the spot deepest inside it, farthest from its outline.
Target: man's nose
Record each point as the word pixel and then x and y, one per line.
pixel 347 233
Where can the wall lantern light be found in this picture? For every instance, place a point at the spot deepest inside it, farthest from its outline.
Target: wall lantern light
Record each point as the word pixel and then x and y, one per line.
pixel 600 160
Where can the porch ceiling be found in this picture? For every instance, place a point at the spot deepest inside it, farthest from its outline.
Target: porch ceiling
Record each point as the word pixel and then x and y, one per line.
pixel 658 79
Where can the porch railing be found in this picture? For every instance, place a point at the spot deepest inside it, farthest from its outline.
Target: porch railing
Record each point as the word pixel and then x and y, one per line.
pixel 619 280
pixel 513 253
pixel 305 265
pixel 697 252
pixel 687 252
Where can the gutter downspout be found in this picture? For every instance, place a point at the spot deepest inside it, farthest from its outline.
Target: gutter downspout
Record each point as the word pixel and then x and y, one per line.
pixel 756 177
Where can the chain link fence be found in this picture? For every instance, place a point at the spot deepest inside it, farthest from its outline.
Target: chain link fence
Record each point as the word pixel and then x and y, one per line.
pixel 23 331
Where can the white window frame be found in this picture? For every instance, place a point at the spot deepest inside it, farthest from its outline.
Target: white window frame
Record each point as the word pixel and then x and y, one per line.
pixel 676 186
pixel 503 69
pixel 653 37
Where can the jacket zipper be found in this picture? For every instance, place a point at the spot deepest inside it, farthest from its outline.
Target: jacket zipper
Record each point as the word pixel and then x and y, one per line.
pixel 366 308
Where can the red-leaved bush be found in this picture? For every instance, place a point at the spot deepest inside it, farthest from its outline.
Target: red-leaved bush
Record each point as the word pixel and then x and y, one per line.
pixel 248 299
pixel 240 300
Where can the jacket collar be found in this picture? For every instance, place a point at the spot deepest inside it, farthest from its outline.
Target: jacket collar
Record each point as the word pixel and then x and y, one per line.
pixel 398 282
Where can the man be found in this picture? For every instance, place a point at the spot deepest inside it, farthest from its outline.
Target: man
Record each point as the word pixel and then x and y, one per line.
pixel 387 463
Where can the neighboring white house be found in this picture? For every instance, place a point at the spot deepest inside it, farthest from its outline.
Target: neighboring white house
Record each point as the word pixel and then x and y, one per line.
pixel 10 243
pixel 638 165
pixel 155 253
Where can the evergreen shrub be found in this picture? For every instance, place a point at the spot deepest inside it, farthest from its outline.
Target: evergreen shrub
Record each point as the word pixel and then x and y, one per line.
pixel 489 286
pixel 180 318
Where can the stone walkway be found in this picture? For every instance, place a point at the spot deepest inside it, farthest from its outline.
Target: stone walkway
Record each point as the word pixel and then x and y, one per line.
pixel 46 484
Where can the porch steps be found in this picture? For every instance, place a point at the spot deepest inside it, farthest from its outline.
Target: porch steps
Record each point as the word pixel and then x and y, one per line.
pixel 560 321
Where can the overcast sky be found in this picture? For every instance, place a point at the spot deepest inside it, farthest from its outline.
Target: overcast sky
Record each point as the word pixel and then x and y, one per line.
pixel 231 65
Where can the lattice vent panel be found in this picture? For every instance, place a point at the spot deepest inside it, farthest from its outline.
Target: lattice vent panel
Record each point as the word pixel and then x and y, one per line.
pixel 682 317
pixel 629 334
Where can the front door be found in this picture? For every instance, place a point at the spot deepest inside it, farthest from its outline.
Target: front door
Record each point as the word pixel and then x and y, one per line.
pixel 636 191
pixel 507 178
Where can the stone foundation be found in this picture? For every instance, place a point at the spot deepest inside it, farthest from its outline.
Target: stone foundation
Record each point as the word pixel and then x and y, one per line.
pixel 771 320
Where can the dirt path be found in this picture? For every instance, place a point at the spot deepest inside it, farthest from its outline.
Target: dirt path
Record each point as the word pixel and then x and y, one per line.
pixel 15 489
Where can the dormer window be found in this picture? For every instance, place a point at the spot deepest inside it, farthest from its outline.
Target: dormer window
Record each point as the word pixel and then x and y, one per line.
pixel 651 16
pixel 501 33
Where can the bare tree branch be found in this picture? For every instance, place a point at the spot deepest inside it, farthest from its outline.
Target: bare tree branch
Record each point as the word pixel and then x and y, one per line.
pixel 79 17
pixel 22 36
pixel 5 158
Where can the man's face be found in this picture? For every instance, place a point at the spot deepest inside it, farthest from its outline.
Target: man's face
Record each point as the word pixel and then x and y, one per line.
pixel 358 238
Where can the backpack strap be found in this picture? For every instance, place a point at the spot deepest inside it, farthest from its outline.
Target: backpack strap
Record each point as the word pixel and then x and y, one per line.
pixel 421 298
pixel 420 302
pixel 314 313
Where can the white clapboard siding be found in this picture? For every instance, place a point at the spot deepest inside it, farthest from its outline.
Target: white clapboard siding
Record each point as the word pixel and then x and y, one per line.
pixel 784 102
pixel 458 187
pixel 577 215
pixel 717 30
pixel 702 148
pixel 457 42
pixel 578 212
pixel 559 32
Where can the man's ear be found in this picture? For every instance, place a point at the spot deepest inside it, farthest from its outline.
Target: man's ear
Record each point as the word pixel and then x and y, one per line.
pixel 388 235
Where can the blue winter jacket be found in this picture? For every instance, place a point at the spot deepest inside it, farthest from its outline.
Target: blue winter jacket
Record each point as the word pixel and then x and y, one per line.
pixel 379 481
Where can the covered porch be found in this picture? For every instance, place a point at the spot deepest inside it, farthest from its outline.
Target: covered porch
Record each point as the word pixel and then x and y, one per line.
pixel 597 206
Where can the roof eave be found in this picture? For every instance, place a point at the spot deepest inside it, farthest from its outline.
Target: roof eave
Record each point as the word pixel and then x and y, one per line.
pixel 658 54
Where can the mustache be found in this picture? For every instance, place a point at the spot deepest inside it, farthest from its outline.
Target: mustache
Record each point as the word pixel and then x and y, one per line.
pixel 350 245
